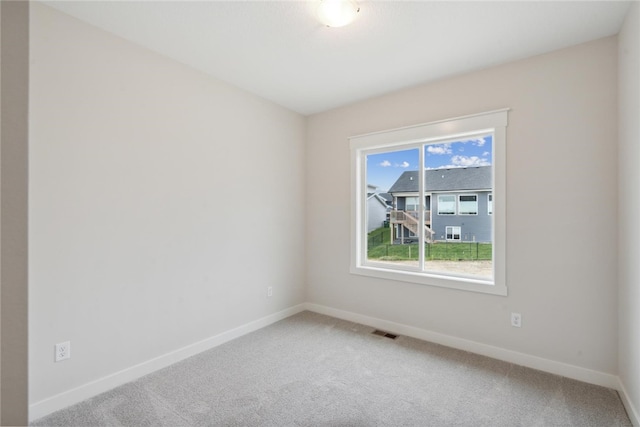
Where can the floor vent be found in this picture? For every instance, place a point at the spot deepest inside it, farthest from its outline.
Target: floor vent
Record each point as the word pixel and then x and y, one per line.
pixel 384 334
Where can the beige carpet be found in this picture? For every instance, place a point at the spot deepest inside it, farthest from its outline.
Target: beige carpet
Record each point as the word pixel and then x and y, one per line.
pixel 313 370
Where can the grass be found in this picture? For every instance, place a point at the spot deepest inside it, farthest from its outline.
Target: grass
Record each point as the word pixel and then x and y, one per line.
pixel 380 247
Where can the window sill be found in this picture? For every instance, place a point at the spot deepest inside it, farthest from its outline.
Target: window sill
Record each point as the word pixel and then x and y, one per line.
pixel 431 279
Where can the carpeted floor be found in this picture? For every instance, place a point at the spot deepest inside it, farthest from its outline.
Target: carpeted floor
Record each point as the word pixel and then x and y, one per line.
pixel 314 370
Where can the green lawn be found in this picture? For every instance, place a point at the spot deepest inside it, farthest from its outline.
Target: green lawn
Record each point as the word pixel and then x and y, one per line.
pixel 379 247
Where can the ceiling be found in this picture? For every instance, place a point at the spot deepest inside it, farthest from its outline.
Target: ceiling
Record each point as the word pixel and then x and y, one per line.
pixel 279 51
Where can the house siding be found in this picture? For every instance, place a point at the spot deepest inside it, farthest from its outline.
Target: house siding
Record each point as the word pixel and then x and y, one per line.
pixel 376 214
pixel 474 228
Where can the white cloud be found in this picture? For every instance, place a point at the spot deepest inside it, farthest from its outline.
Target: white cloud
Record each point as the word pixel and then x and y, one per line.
pixel 479 142
pixel 385 163
pixel 439 149
pixel 485 154
pixel 465 161
pixel 404 164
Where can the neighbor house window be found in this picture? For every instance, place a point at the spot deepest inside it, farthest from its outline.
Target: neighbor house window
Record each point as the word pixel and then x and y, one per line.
pixel 468 204
pixel 411 204
pixel 446 204
pixel 457 161
pixel 453 233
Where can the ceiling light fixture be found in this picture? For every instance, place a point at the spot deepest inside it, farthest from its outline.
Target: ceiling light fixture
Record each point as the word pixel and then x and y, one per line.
pixel 337 13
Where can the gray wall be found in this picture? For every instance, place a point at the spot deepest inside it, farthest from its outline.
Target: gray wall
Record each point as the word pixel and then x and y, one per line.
pixel 14 89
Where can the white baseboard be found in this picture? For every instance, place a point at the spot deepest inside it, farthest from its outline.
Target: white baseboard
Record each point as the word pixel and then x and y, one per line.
pixel 632 411
pixel 93 388
pixel 535 362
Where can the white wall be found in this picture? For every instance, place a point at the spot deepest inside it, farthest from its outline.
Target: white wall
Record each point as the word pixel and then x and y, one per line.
pixel 629 207
pixel 561 208
pixel 140 169
pixel 146 233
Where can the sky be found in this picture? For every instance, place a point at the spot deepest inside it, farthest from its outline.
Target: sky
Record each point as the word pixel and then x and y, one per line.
pixel 384 169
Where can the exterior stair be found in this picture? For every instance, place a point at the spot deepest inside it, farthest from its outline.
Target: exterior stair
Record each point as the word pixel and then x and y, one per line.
pixel 412 225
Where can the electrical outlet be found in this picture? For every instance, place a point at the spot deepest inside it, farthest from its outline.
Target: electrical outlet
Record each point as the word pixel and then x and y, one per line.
pixel 63 351
pixel 516 320
pixel 270 291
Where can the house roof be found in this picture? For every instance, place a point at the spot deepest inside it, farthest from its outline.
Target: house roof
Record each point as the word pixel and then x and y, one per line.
pixel 386 196
pixel 378 197
pixel 455 179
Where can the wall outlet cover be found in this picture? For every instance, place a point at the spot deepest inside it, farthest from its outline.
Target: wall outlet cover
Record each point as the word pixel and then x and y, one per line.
pixel 63 351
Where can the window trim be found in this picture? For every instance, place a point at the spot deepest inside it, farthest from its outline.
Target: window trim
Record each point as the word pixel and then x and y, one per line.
pixel 494 122
pixel 490 204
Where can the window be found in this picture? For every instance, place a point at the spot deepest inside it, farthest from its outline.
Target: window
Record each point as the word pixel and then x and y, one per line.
pixel 468 204
pixel 457 161
pixel 446 204
pixel 453 233
pixel 411 204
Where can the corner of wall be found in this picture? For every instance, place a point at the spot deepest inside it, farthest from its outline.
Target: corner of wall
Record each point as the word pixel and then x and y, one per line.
pixel 628 206
pixel 14 90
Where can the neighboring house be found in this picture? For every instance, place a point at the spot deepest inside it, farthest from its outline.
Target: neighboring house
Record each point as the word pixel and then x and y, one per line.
pixel 388 198
pixel 378 208
pixel 458 205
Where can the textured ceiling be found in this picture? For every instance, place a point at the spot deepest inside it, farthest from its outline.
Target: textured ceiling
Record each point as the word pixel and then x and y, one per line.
pixel 278 50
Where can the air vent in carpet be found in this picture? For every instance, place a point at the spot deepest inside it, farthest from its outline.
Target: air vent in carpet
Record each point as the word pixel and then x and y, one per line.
pixel 384 334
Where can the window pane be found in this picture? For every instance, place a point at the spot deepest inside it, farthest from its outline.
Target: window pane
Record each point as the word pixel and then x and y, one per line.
pixel 411 203
pixel 392 228
pixel 459 179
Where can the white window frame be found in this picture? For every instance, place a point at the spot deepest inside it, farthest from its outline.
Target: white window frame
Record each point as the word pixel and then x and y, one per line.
pixel 453 233
pixel 455 205
pixel 490 204
pixel 492 122
pixel 459 203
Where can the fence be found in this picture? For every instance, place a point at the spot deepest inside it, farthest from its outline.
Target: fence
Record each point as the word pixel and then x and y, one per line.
pixel 376 240
pixel 456 251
